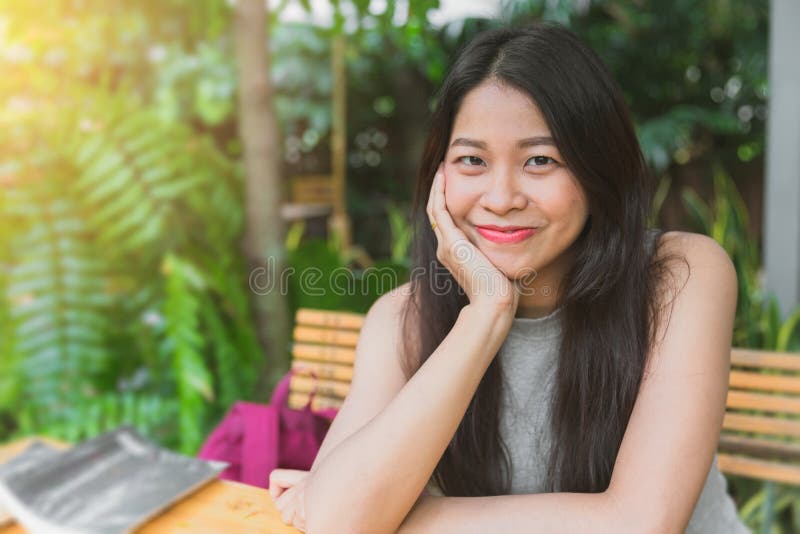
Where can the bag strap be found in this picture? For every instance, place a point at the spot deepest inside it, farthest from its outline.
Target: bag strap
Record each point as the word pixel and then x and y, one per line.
pixel 281 392
pixel 280 395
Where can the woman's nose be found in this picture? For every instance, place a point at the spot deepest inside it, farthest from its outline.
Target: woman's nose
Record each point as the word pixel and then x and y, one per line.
pixel 502 194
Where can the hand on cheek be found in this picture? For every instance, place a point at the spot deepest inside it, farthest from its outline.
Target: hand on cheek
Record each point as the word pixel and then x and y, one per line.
pixel 486 286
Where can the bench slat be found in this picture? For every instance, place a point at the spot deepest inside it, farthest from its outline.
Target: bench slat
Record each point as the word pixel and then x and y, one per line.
pixel 298 401
pixel 760 401
pixel 329 371
pixel 323 353
pixel 785 361
pixel 774 383
pixel 761 424
pixel 760 448
pixel 326 336
pixel 760 469
pixel 329 319
pixel 330 388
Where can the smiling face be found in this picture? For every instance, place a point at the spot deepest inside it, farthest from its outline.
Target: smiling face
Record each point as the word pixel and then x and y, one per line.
pixel 503 169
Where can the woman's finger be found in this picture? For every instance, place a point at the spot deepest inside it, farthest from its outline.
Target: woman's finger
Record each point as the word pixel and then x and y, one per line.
pixel 287 516
pixel 290 506
pixel 284 498
pixel 443 218
pixel 281 479
pixel 275 491
pixel 434 216
pixel 429 204
pixel 459 247
pixel 300 515
pixel 290 476
pixel 275 487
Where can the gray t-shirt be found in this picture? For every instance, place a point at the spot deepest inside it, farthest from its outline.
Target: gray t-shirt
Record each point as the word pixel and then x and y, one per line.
pixel 528 361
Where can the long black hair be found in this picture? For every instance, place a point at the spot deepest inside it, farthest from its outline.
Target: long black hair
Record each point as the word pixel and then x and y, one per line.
pixel 609 304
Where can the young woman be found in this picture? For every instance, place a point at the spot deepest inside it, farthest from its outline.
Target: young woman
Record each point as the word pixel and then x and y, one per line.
pixel 552 366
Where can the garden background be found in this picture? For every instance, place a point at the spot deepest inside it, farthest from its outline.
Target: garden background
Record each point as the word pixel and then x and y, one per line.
pixel 129 228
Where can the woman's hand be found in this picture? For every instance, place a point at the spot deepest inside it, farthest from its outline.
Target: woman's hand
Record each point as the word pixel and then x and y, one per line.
pixel 485 285
pixel 287 489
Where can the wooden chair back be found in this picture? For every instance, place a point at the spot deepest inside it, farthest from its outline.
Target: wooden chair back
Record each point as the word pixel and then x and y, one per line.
pixel 761 431
pixel 325 343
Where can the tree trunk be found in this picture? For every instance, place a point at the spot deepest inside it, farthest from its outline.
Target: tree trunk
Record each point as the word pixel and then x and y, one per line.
pixel 265 229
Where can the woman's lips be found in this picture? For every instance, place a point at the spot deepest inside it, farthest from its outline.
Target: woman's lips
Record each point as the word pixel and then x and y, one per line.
pixel 512 234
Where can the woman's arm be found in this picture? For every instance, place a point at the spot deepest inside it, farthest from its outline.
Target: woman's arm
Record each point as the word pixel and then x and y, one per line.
pixel 671 438
pixel 370 481
pixel 586 513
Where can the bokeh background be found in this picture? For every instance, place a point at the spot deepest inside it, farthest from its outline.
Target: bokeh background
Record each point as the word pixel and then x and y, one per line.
pixel 129 227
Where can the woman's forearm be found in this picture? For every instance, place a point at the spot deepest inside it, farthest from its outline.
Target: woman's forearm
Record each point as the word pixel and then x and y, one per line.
pixel 370 481
pixel 545 512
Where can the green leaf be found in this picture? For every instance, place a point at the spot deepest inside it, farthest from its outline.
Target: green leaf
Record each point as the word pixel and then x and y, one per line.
pixel 698 210
pixel 786 332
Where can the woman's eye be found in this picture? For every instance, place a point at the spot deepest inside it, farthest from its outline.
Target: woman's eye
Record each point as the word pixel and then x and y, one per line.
pixel 541 161
pixel 464 160
pixel 475 161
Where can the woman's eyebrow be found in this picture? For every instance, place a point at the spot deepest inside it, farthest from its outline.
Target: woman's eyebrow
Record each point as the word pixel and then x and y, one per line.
pixel 522 143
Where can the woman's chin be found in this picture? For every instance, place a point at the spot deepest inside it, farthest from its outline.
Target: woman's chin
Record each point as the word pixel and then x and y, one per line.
pixel 514 270
pixel 511 263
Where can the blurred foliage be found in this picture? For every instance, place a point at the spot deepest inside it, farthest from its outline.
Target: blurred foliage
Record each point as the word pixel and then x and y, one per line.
pixel 123 256
pixel 758 319
pixel 322 276
pixel 120 226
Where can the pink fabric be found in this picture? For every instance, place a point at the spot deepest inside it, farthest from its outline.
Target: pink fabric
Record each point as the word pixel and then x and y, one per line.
pixel 255 438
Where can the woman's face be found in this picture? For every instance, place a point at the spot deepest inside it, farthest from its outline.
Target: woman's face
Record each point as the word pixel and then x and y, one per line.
pixel 502 169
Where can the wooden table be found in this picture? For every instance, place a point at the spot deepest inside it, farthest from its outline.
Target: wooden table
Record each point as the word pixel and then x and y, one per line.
pixel 218 507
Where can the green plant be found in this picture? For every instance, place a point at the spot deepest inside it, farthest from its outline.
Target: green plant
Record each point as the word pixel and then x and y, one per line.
pixel 400 233
pixel 126 294
pixel 321 276
pixel 758 321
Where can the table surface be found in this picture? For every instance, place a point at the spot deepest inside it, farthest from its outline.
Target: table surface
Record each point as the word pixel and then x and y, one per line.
pixel 218 507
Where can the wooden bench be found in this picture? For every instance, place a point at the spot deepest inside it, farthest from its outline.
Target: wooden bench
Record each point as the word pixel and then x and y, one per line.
pixel 761 429
pixel 325 343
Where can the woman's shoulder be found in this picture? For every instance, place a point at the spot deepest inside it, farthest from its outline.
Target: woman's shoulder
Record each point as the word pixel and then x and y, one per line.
pixel 679 238
pixel 389 309
pixel 702 279
pixel 391 305
pixel 696 249
pixel 389 320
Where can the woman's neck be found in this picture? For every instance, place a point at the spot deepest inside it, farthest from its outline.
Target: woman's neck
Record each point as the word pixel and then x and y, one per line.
pixel 539 296
pixel 535 310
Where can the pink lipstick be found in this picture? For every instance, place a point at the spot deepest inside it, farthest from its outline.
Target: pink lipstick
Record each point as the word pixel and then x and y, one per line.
pixel 505 234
